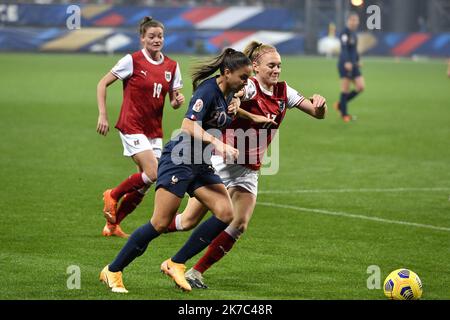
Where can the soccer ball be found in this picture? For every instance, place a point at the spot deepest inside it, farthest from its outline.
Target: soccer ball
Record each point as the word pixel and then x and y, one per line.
pixel 403 284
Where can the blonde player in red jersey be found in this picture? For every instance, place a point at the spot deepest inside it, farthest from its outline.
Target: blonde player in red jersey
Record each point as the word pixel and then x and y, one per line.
pixel 147 76
pixel 263 95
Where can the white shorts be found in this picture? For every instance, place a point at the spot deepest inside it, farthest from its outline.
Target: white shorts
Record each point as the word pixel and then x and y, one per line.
pixel 236 175
pixel 135 143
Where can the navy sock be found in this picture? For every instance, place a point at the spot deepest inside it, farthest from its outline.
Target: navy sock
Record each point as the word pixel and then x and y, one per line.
pixel 135 246
pixel 351 95
pixel 202 236
pixel 343 103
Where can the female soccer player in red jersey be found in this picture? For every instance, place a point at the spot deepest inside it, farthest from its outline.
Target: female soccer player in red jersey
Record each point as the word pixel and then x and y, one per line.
pixel 263 95
pixel 147 75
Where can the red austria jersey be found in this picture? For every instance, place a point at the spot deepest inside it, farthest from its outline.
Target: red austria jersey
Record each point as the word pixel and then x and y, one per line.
pixel 145 85
pixel 259 101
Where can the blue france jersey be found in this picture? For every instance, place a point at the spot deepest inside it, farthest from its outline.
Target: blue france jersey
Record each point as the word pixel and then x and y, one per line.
pixel 349 43
pixel 208 106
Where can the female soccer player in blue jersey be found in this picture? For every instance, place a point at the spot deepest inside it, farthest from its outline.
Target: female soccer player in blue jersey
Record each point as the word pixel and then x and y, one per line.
pixel 185 166
pixel 349 67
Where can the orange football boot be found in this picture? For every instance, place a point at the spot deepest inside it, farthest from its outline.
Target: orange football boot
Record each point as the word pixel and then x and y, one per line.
pixel 176 272
pixel 110 207
pixel 113 280
pixel 347 118
pixel 113 230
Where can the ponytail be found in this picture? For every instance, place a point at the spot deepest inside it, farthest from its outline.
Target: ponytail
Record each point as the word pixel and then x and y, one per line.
pixel 228 59
pixel 254 50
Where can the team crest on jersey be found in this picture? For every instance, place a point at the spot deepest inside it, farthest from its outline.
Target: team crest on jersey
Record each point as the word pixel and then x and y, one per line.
pixel 168 76
pixel 281 105
pixel 198 105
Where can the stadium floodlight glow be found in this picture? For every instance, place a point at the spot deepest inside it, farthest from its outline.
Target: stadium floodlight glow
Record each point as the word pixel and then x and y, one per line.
pixel 357 3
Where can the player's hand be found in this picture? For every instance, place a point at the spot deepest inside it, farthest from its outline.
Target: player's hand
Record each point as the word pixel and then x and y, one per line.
pixel 226 151
pixel 239 94
pixel 234 106
pixel 102 125
pixel 348 66
pixel 178 100
pixel 263 120
pixel 318 101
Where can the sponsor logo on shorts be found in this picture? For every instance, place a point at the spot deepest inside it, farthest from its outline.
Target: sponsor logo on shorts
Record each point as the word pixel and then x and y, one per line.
pixel 174 180
pixel 136 142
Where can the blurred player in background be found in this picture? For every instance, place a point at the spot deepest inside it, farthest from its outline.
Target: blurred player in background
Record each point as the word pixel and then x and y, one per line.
pixel 263 95
pixel 329 45
pixel 147 75
pixel 448 68
pixel 185 168
pixel 349 67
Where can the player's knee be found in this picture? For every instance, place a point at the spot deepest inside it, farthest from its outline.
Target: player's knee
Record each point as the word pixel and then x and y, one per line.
pixel 160 225
pixel 360 88
pixel 224 214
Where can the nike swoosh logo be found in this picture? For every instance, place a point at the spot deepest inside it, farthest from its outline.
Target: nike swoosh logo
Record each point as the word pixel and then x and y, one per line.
pixel 222 248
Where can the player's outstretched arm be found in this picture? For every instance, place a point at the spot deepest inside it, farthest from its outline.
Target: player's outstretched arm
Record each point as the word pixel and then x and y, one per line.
pixel 255 117
pixel 316 106
pixel 102 123
pixel 234 109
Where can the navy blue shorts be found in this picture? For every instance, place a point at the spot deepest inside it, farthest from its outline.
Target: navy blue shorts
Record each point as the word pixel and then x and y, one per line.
pixel 181 178
pixel 348 74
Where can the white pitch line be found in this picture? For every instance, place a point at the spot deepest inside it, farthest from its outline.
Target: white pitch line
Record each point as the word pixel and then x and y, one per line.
pixel 353 190
pixel 349 215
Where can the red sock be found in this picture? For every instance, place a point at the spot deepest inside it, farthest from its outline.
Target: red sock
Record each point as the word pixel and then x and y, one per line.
pixel 172 226
pixel 221 245
pixel 129 202
pixel 132 183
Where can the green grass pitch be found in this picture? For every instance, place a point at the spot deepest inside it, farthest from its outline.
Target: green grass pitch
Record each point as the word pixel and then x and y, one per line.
pixel 347 196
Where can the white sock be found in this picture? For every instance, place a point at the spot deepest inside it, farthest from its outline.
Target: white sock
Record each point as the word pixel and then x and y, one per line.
pixel 178 222
pixel 233 232
pixel 146 179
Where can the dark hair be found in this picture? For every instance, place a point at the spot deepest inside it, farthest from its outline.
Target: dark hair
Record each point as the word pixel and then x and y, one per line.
pixel 149 22
pixel 229 59
pixel 351 14
pixel 254 50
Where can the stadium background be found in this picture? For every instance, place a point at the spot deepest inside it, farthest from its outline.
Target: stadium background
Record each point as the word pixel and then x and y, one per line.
pixel 347 196
pixel 205 27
